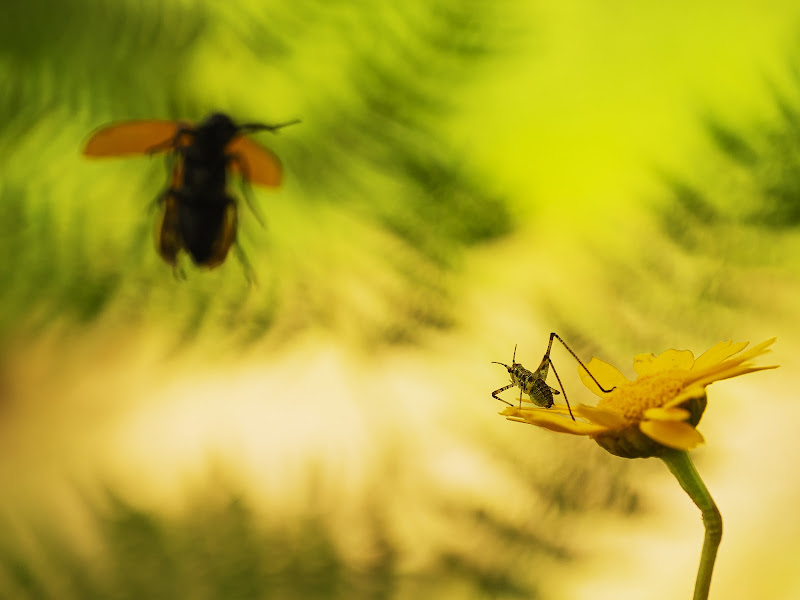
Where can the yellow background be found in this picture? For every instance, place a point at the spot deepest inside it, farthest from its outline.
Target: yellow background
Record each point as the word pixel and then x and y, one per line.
pixel 354 379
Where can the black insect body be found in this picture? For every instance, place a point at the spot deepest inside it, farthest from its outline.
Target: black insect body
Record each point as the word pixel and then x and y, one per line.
pixel 533 383
pixel 199 215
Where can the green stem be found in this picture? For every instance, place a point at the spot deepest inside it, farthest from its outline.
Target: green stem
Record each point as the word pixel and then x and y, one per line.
pixel 681 466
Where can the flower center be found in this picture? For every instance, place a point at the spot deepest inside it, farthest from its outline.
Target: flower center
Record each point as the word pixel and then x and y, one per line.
pixel 648 391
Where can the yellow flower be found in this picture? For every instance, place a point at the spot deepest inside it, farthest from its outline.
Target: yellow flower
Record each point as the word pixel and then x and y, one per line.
pixel 657 411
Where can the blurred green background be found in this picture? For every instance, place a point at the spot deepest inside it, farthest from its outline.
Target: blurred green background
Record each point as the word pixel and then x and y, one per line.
pixel 468 176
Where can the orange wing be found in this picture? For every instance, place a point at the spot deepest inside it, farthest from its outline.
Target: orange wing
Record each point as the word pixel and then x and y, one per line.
pixel 261 165
pixel 132 137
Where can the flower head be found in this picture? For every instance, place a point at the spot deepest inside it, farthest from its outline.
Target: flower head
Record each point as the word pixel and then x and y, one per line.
pixel 657 411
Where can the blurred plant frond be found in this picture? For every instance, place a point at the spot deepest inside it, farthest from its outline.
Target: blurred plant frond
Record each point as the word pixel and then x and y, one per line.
pixel 226 550
pixel 405 534
pixel 218 552
pixel 77 58
pixel 574 483
pixel 721 244
pixel 377 206
pixel 754 179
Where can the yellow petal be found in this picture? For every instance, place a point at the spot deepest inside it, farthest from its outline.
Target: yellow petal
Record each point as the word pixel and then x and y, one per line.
pixel 689 393
pixel 517 420
pixel 736 363
pixel 544 418
pixel 718 353
pixel 645 364
pixel 599 416
pixel 556 409
pixel 666 414
pixel 672 434
pixel 608 376
pixel 761 348
pixel 559 409
pixel 723 371
pixel 742 360
pixel 744 370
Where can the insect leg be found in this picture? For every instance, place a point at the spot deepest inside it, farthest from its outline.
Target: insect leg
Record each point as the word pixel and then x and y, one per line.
pixel 169 241
pixel 247 191
pixel 168 191
pixel 229 238
pixel 563 391
pixel 178 272
pixel 159 199
pixel 575 356
pixel 503 389
pixel 249 273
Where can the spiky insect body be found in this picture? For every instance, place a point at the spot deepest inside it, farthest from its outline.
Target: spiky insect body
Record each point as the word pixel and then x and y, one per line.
pixel 533 383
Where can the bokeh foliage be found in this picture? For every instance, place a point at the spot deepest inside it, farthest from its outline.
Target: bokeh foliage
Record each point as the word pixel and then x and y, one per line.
pixel 750 186
pixel 363 240
pixel 377 206
pixel 224 546
pixel 716 247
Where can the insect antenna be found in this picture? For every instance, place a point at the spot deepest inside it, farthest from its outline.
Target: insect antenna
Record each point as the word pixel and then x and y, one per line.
pixel 253 127
pixel 502 389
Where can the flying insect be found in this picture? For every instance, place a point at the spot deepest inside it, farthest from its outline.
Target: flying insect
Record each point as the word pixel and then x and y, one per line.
pixel 533 382
pixel 199 215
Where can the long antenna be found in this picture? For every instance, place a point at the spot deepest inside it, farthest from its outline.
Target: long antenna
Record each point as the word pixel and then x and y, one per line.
pixel 252 127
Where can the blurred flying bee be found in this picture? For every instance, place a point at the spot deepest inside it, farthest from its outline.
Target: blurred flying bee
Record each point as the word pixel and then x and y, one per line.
pixel 533 382
pixel 199 215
